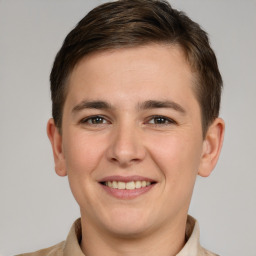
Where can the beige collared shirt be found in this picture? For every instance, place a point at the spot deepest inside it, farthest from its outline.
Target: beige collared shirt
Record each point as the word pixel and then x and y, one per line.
pixel 71 246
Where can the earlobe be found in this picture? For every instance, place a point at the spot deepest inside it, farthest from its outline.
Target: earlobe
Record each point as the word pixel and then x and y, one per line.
pixel 211 147
pixel 56 142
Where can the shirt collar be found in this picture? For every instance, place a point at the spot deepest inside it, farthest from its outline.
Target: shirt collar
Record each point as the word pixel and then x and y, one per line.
pixel 72 244
pixel 191 248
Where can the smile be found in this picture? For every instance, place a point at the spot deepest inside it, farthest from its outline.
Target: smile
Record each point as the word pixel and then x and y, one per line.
pixel 127 185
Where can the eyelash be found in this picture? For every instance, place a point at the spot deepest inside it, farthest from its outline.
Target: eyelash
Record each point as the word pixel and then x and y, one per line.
pixel 89 120
pixel 163 120
pixel 166 120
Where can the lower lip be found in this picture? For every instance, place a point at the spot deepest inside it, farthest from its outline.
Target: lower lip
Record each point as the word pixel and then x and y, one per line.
pixel 127 193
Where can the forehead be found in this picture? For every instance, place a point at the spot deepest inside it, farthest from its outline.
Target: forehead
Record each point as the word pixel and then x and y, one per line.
pixel 140 72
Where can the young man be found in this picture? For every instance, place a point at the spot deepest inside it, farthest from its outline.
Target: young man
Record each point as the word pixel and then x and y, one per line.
pixel 136 94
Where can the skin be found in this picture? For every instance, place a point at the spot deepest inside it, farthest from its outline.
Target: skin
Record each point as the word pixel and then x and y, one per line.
pixel 129 140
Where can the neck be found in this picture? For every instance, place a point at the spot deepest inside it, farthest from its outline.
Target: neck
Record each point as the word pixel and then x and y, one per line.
pixel 166 241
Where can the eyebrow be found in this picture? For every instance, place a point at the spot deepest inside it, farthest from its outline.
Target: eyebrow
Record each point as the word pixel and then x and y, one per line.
pixel 91 105
pixel 149 104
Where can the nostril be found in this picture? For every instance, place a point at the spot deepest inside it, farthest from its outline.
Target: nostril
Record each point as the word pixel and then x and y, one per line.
pixel 113 159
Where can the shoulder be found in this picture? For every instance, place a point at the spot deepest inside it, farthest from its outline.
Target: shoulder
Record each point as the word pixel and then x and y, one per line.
pixel 56 250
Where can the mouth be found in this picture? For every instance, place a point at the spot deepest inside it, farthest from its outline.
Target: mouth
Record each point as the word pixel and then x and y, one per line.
pixel 130 185
pixel 127 187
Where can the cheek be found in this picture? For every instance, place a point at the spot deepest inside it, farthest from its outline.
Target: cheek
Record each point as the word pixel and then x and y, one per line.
pixel 178 157
pixel 82 152
pixel 82 156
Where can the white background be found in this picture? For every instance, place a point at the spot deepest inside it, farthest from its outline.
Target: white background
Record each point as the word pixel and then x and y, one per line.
pixel 36 206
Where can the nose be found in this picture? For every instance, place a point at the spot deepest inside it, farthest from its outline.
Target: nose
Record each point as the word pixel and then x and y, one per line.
pixel 126 146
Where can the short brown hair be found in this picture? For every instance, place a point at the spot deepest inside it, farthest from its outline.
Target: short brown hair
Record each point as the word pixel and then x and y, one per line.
pixel 126 23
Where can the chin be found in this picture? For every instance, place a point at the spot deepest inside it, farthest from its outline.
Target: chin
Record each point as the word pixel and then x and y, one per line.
pixel 122 230
pixel 129 223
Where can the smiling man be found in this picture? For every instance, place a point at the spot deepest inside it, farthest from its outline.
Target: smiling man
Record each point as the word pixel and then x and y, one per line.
pixel 136 94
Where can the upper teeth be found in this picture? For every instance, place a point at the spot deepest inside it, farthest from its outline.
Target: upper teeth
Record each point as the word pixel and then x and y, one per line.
pixel 127 185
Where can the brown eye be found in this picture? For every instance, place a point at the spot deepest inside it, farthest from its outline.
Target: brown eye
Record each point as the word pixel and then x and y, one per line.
pixel 94 120
pixel 97 120
pixel 158 120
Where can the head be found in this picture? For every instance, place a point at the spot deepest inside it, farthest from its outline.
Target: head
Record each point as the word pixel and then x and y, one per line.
pixel 127 24
pixel 136 92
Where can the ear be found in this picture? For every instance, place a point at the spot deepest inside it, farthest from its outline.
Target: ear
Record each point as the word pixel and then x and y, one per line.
pixel 56 141
pixel 212 145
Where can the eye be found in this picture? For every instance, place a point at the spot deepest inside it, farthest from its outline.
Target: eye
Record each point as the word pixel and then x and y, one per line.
pixel 161 120
pixel 94 120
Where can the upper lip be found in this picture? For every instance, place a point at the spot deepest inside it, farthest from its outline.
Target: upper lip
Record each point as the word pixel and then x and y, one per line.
pixel 126 178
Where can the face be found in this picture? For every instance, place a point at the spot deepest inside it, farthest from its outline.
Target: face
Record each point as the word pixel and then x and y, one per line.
pixel 131 141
